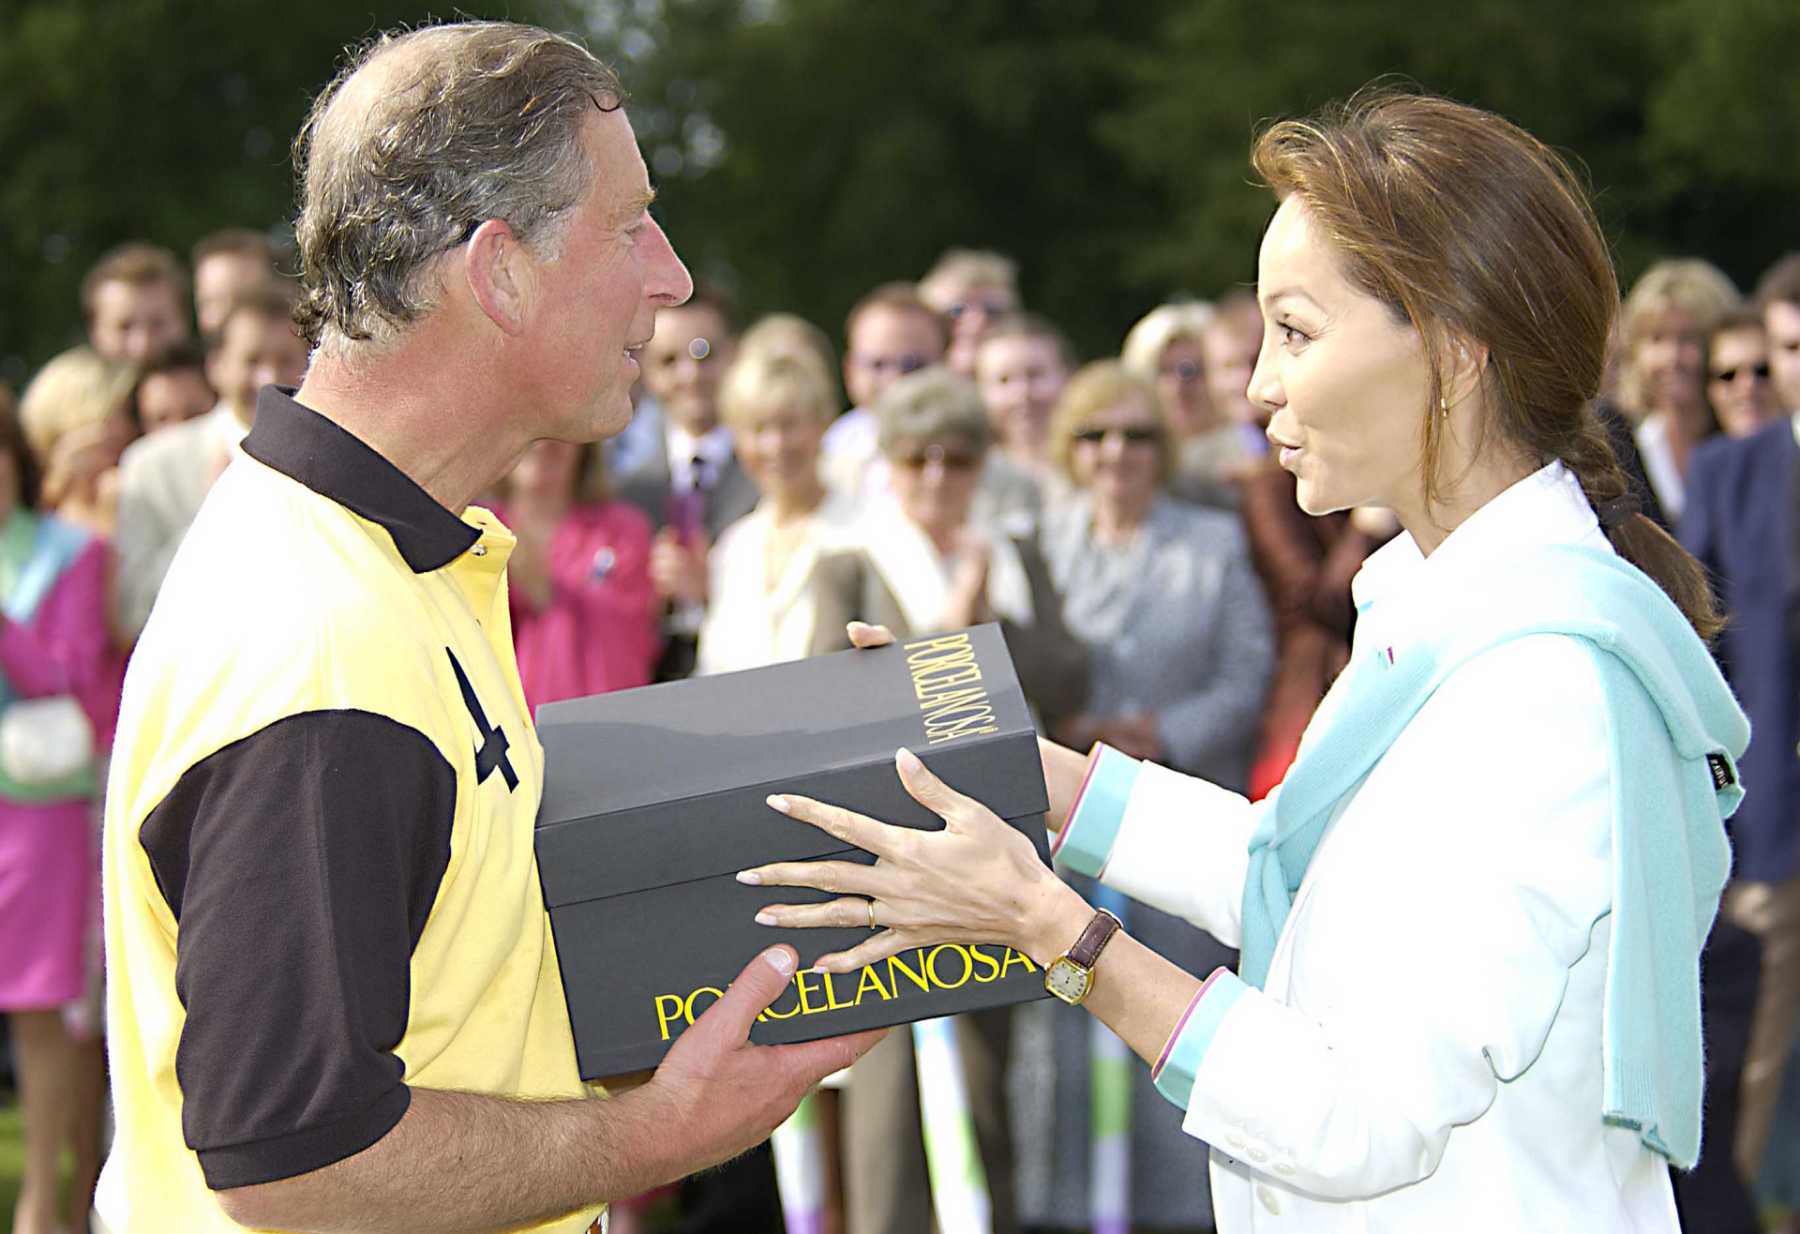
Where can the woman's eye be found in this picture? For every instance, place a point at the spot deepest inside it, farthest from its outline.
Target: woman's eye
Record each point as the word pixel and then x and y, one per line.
pixel 1291 336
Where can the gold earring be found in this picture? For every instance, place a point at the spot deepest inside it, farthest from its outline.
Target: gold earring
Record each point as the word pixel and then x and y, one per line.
pixel 1444 407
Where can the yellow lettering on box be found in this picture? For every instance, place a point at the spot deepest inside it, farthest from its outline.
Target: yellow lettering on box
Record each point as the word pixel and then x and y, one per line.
pixel 981 957
pixel 687 1009
pixel 872 976
pixel 1016 957
pixel 928 687
pixel 665 1014
pixel 831 1002
pixel 806 1006
pixel 934 644
pixel 944 676
pixel 937 978
pixel 917 978
pixel 773 1014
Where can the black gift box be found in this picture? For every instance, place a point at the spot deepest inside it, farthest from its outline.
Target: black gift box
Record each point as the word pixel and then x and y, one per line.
pixel 654 799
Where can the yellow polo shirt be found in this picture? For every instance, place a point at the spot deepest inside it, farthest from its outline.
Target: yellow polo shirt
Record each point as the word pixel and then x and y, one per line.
pixel 320 885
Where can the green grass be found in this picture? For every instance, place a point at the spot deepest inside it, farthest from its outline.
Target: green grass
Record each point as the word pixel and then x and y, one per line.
pixel 12 1156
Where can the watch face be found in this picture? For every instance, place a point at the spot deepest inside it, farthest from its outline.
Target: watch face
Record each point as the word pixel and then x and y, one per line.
pixel 1067 980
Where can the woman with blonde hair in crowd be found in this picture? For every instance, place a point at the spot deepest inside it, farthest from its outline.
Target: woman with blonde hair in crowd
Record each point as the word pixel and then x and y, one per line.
pixel 1662 376
pixel 1161 592
pixel 760 607
pixel 1167 348
pixel 74 417
pixel 58 703
pixel 1470 918
pixel 584 612
pixel 791 335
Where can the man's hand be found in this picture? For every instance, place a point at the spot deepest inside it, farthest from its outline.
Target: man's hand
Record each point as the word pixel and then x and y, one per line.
pixel 467 1162
pixel 728 1095
pixel 864 636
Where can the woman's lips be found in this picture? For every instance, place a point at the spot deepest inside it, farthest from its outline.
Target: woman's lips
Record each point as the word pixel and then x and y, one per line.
pixel 1288 455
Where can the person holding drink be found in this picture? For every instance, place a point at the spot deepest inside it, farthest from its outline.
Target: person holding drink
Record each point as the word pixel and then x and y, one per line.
pixel 1470 916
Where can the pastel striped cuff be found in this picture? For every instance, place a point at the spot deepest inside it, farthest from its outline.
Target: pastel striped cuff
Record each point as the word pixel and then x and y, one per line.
pixel 1087 838
pixel 1175 1070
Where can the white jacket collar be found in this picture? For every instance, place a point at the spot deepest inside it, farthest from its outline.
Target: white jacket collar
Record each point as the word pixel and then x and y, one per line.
pixel 1546 507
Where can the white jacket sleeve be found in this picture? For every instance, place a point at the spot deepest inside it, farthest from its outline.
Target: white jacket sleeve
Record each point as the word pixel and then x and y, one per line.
pixel 1175 842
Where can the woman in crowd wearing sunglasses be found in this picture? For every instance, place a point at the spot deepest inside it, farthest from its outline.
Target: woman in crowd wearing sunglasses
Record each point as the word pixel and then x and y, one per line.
pixel 1161 592
pixel 1739 387
pixel 1167 349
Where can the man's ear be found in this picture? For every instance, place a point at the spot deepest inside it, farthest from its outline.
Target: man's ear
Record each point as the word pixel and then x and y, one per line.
pixel 497 268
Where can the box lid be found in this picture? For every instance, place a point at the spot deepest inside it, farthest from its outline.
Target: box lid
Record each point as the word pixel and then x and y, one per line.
pixel 675 774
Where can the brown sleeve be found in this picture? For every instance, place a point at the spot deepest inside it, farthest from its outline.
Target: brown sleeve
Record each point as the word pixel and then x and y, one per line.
pixel 836 586
pixel 1306 563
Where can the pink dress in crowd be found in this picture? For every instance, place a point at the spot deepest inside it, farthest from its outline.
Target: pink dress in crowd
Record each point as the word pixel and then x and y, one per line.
pixel 599 631
pixel 48 867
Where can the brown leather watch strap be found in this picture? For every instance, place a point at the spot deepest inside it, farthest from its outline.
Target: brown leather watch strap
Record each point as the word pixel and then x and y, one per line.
pixel 1099 932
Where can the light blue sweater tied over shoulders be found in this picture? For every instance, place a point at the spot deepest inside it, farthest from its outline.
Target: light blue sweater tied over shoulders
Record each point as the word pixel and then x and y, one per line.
pixel 1676 735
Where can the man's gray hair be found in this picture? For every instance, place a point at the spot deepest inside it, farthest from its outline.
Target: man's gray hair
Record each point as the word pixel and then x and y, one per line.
pixel 452 125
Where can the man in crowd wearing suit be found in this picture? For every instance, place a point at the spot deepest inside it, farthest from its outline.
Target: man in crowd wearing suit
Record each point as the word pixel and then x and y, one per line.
pixel 164 476
pixel 693 488
pixel 1742 521
pixel 1779 297
pixel 889 333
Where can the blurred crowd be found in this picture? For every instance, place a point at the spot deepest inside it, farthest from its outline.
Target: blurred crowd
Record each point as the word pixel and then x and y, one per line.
pixel 947 457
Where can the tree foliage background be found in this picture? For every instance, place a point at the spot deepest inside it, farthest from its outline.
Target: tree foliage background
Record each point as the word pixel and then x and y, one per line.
pixel 808 149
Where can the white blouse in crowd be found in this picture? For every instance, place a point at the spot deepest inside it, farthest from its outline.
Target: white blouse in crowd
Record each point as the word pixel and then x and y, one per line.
pixel 751 618
pixel 1429 1054
pixel 1654 447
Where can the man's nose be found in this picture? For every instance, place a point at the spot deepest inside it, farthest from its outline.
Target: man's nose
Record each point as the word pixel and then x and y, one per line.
pixel 667 280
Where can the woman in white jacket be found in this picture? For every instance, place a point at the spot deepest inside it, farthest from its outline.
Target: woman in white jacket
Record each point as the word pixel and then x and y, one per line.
pixel 1470 917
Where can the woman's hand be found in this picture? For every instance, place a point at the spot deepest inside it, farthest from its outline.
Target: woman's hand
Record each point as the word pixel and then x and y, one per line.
pixel 1064 771
pixel 977 881
pixel 1064 768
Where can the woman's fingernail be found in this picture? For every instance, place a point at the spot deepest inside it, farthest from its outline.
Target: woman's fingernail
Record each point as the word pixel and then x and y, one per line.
pixel 749 876
pixel 776 802
pixel 908 762
pixel 765 918
pixel 781 959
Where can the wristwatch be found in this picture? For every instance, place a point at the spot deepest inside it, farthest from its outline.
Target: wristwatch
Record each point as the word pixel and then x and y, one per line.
pixel 1071 975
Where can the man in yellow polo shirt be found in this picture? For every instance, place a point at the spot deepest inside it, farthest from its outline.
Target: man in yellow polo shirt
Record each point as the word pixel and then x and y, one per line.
pixel 334 1001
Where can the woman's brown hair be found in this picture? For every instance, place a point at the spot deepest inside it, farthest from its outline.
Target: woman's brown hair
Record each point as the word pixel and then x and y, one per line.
pixel 1467 227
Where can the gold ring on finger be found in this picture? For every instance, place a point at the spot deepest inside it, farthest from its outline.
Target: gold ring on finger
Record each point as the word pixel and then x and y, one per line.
pixel 872 924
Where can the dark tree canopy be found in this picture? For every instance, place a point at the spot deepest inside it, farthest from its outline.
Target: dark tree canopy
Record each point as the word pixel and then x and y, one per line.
pixel 808 149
